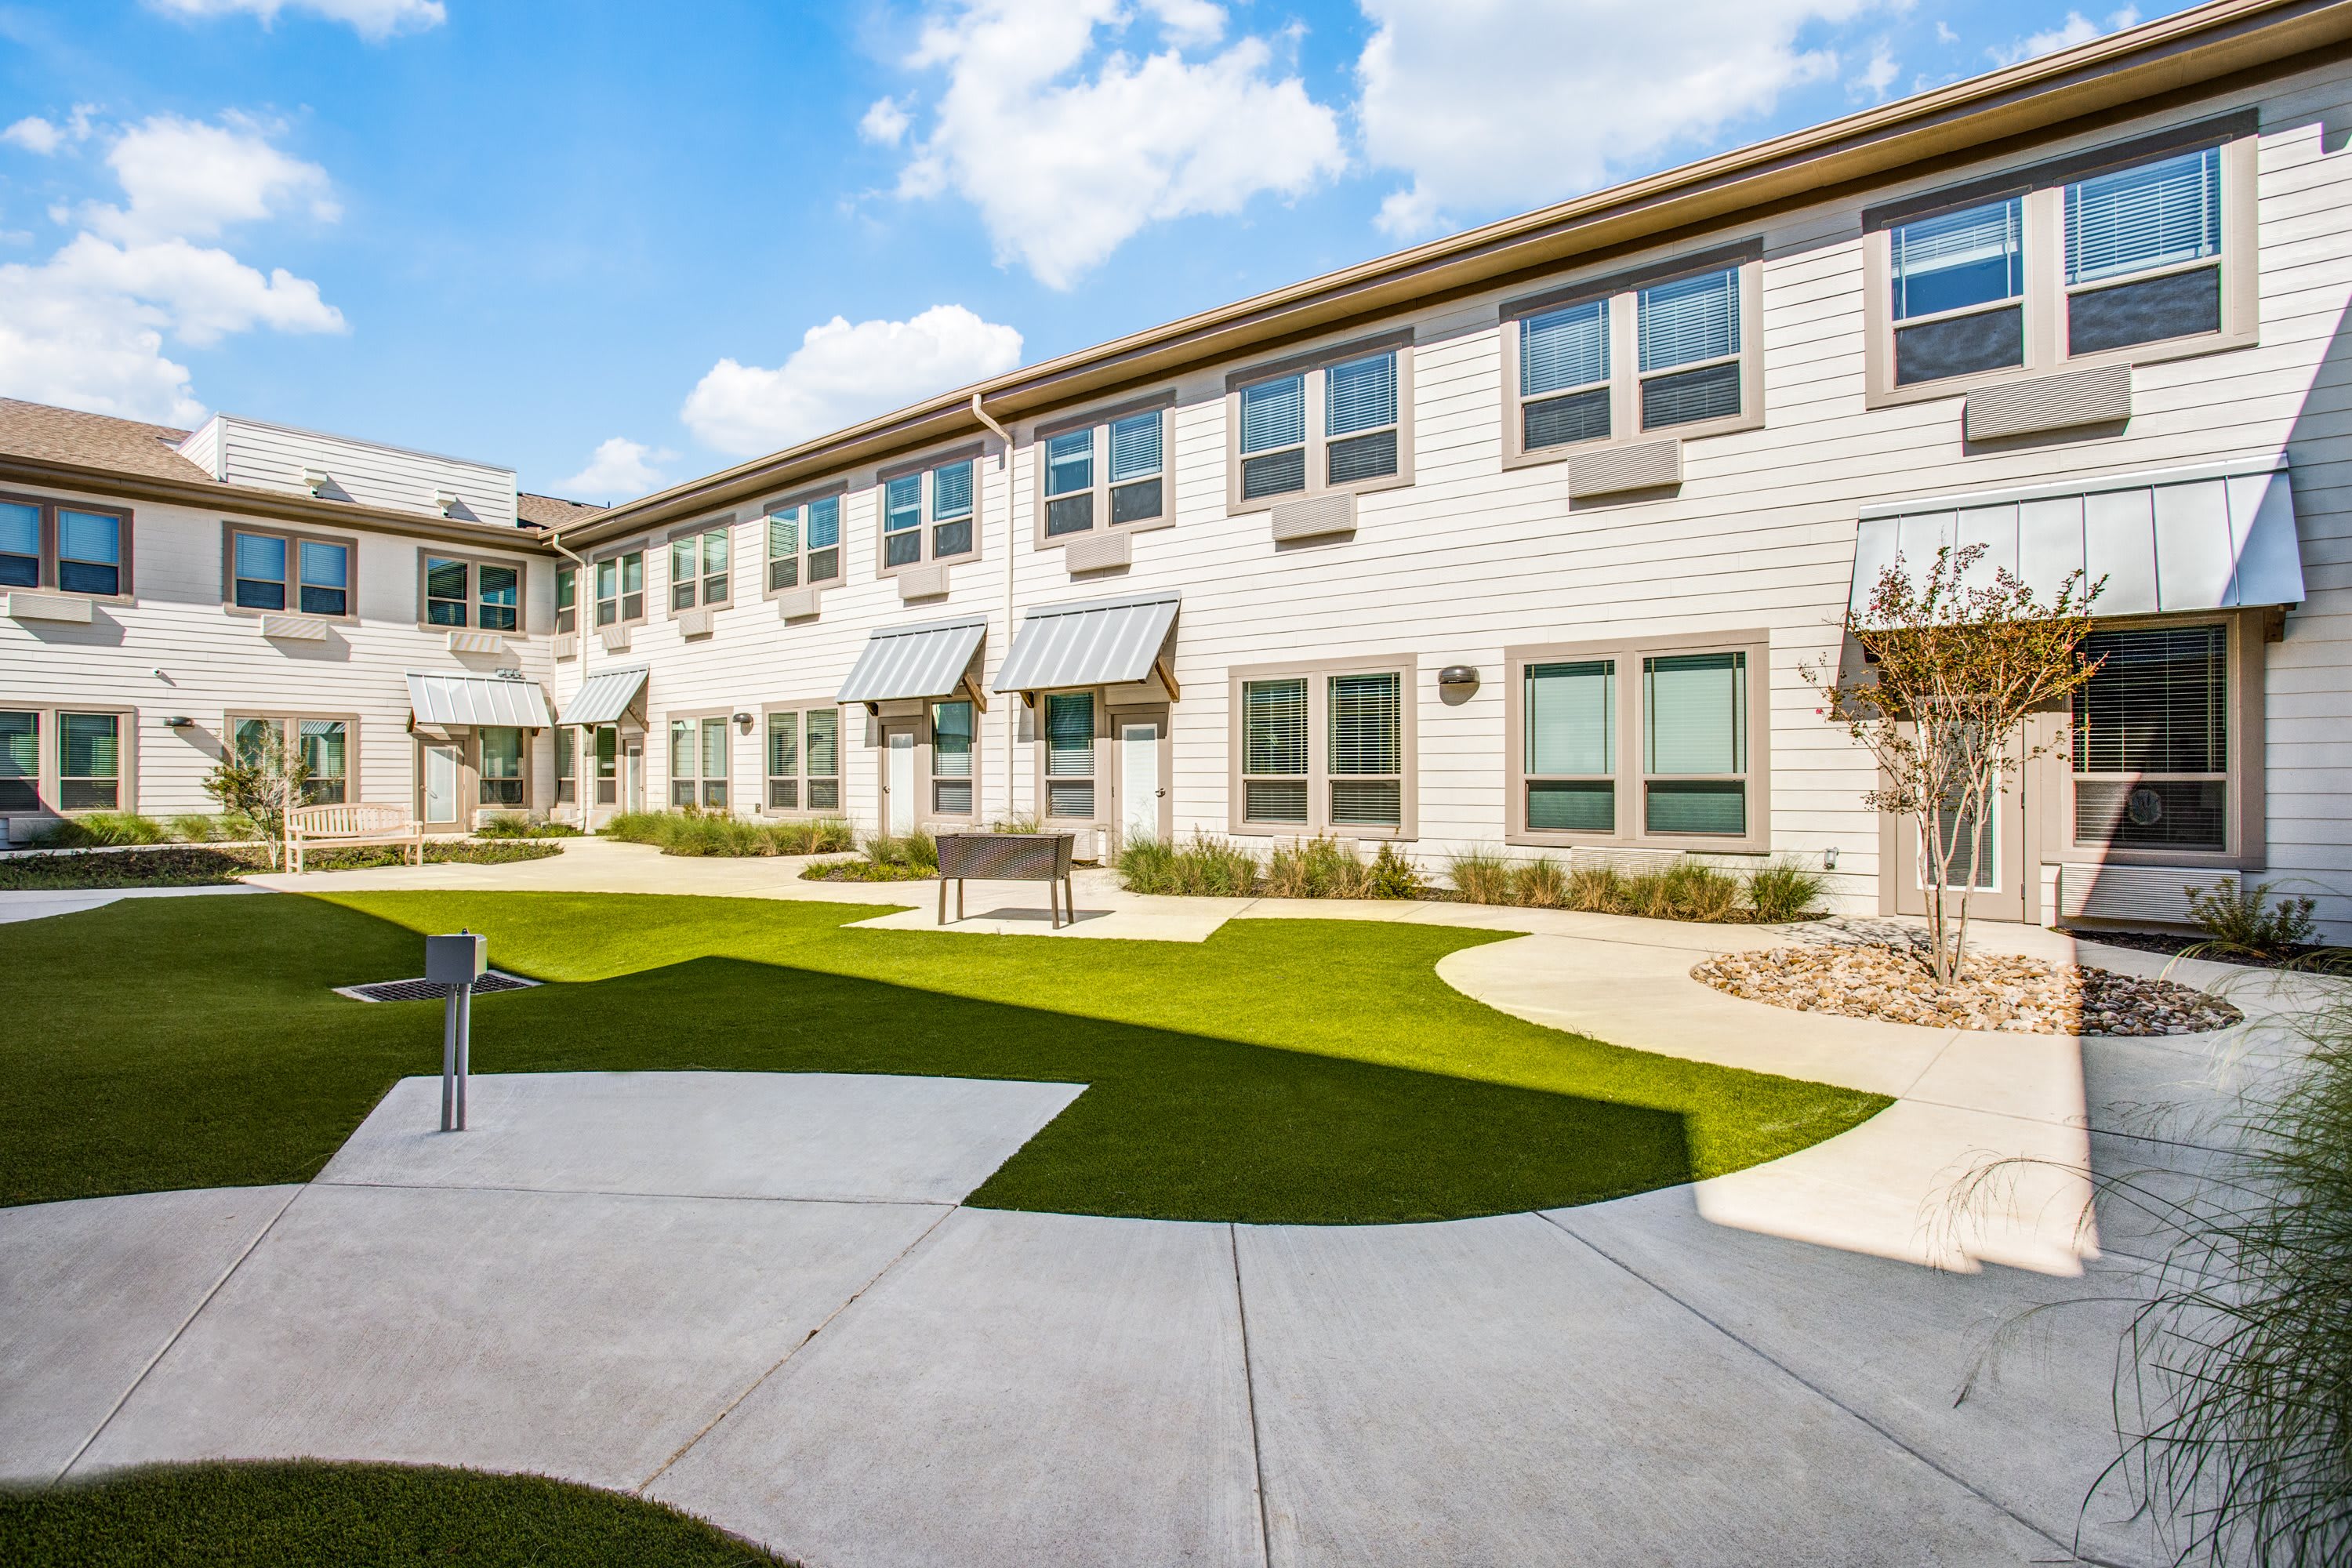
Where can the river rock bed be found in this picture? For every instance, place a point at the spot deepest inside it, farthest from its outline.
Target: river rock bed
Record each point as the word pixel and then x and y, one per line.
pixel 1998 990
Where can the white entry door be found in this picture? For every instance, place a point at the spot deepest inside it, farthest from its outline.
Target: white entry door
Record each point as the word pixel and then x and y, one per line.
pixel 440 786
pixel 898 779
pixel 1140 784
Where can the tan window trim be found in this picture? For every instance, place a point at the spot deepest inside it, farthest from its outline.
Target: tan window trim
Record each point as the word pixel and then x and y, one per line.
pixel 474 565
pixel 294 539
pixel 660 732
pixel 125 586
pixel 48 771
pixel 1319 776
pixel 971 452
pixel 1622 290
pixel 2042 186
pixel 724 524
pixel 1100 419
pixel 1625 746
pixel 472 748
pixel 2051 776
pixel 804 708
pixel 563 570
pixel 836 491
pixel 638 547
pixel 1399 340
pixel 293 716
pixel 1041 779
pixel 927 758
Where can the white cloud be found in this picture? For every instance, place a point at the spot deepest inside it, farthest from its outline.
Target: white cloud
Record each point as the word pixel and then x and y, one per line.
pixel 1069 145
pixel 1879 73
pixel 617 469
pixel 1944 34
pixel 1611 98
pixel 372 19
pixel 2076 29
pixel 842 374
pixel 884 123
pixel 86 328
pixel 34 134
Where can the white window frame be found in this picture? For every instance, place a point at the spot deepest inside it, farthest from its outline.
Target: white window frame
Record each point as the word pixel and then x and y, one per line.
pixel 2042 188
pixel 1312 368
pixel 1317 674
pixel 1621 292
pixel 1100 490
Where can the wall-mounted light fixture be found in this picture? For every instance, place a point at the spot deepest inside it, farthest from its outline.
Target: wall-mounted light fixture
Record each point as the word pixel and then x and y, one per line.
pixel 1829 858
pixel 744 722
pixel 316 480
pixel 1456 682
pixel 177 721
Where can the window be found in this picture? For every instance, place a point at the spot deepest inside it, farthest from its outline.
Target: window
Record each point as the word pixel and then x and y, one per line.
pixel 805 544
pixel 804 760
pixel 608 765
pixel 953 730
pixel 1325 751
pixel 289 572
pixel 2128 253
pixel 1570 732
pixel 324 743
pixel 2151 739
pixel 1111 468
pixel 459 590
pixel 72 549
pixel 697 763
pixel 1337 422
pixel 1070 754
pixel 567 787
pixel 1695 744
pixel 567 599
pixel 943 493
pixel 502 759
pixel 89 762
pixel 1672 349
pixel 20 760
pixel 621 589
pixel 1638 744
pixel 698 569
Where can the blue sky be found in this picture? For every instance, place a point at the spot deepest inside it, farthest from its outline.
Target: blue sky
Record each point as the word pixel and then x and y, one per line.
pixel 614 245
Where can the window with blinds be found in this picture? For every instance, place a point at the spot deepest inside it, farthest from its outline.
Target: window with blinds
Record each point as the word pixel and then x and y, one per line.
pixel 1366 755
pixel 953 732
pixel 1273 437
pixel 1694 743
pixel 697 763
pixel 323 745
pixel 2150 238
pixel 1135 467
pixel 902 520
pixel 502 750
pixel 805 544
pixel 952 509
pixel 1569 721
pixel 20 760
pixel 1564 375
pixel 699 569
pixel 1070 483
pixel 2151 742
pixel 1070 754
pixel 1959 282
pixel 1112 469
pixel 20 544
pixel 822 755
pixel 1974 863
pixel 1689 334
pixel 1359 409
pixel 1274 751
pixel 783 762
pixel 621 589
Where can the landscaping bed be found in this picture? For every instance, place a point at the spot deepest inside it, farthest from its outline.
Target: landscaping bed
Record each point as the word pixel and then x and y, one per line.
pixel 1997 991
pixel 217 864
pixel 2303 956
pixel 701 833
pixel 867 871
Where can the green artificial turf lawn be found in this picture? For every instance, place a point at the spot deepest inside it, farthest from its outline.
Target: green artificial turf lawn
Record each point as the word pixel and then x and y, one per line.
pixel 352 1516
pixel 1315 1071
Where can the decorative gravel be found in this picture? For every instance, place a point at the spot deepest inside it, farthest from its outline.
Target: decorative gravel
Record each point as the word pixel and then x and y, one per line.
pixel 1870 979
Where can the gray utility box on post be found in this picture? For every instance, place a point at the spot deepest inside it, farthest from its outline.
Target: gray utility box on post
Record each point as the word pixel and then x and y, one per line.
pixel 456 961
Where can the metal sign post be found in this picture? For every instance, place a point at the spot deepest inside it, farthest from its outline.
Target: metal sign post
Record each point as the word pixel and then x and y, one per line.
pixel 454 963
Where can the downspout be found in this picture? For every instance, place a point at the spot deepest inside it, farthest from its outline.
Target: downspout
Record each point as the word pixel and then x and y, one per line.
pixel 582 585
pixel 1012 528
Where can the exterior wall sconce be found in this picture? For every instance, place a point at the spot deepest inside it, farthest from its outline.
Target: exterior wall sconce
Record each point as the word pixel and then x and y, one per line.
pixel 1456 682
pixel 177 721
pixel 1829 858
pixel 744 722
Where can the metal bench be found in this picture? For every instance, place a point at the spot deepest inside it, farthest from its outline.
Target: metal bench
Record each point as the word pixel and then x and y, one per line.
pixel 337 827
pixel 1008 857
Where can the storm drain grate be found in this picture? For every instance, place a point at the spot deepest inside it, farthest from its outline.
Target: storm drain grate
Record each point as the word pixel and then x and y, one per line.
pixel 425 990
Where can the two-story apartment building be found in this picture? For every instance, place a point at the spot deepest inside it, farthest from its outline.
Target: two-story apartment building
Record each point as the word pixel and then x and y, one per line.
pixel 1522 537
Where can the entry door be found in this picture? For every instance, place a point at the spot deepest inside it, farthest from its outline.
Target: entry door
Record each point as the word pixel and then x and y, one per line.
pixel 899 786
pixel 1141 790
pixel 1996 860
pixel 441 770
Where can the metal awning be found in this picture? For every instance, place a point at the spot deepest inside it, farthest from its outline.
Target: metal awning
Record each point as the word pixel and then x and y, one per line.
pixel 1098 642
pixel 440 699
pixel 929 660
pixel 2215 538
pixel 606 696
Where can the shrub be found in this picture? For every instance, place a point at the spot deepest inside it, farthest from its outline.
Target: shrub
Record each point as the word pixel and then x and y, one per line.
pixel 1598 889
pixel 2241 921
pixel 1032 824
pixel 917 851
pixel 205 827
pixel 1391 876
pixel 1480 877
pixel 1205 867
pixel 1320 867
pixel 863 871
pixel 184 866
pixel 695 833
pixel 103 827
pixel 1540 884
pixel 515 824
pixel 1783 891
pixel 1690 891
pixel 637 826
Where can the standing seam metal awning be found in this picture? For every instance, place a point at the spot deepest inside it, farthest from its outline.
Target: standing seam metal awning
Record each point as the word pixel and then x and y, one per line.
pixel 602 697
pixel 928 660
pixel 2215 538
pixel 478 699
pixel 1098 642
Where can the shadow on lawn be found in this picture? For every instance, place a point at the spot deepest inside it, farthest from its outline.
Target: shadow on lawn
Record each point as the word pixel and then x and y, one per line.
pixel 213 1053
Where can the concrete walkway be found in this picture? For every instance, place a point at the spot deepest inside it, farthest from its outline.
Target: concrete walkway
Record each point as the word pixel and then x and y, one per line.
pixel 757 1296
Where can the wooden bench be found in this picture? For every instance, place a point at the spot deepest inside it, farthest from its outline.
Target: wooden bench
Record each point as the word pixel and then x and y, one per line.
pixel 339 826
pixel 1008 857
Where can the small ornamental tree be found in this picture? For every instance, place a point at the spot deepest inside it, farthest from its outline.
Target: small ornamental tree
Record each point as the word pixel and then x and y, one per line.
pixel 265 776
pixel 1956 665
